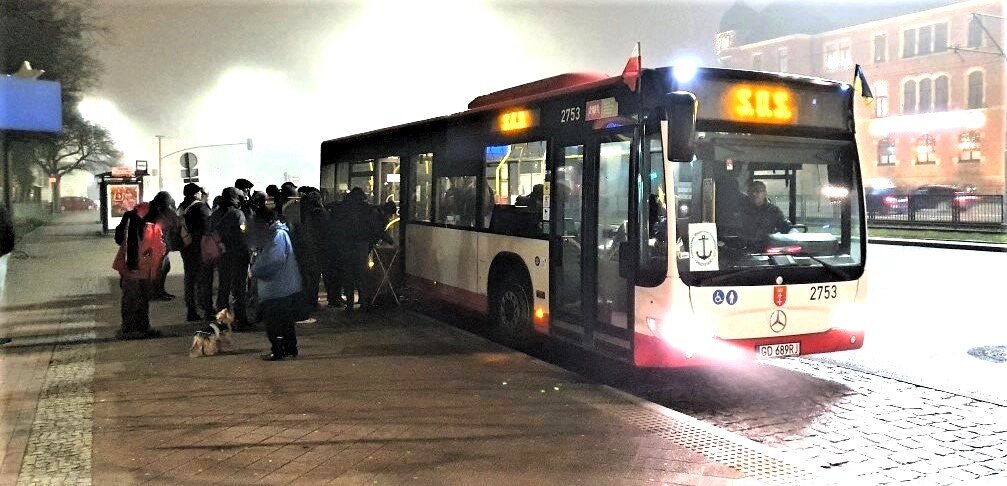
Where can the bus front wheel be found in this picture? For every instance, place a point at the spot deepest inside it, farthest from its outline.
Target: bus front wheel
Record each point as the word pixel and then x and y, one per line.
pixel 512 309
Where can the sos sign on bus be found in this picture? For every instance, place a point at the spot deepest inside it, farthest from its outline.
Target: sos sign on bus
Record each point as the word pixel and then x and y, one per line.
pixel 758 103
pixel 513 120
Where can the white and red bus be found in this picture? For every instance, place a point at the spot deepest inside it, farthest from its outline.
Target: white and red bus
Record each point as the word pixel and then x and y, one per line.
pixel 611 212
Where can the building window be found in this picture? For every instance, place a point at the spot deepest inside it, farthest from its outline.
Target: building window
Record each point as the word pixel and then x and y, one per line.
pixel 909 43
pixel 975 90
pixel 941 37
pixel 757 61
pixel 909 97
pixel 725 41
pixel 924 40
pixel 941 94
pixel 422 183
pixel 881 99
pixel 969 146
pixel 837 56
pixel 975 39
pixel 926 103
pixel 782 55
pixel 925 145
pixel 886 152
pixel 880 48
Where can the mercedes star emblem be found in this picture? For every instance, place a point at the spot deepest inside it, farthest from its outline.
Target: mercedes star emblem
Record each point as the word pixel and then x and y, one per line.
pixel 778 321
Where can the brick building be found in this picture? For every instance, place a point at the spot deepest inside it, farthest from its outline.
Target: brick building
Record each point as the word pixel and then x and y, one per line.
pixel 938 80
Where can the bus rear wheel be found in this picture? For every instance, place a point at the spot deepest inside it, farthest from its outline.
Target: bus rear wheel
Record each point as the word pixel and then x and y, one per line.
pixel 512 310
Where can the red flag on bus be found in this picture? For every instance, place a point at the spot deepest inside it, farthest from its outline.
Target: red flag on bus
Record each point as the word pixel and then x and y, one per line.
pixel 631 73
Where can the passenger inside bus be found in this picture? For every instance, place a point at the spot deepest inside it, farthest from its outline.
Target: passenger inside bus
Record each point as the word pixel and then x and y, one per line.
pixel 523 218
pixel 761 217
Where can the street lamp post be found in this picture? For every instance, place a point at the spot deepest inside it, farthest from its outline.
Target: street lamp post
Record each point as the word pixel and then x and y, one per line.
pixel 160 158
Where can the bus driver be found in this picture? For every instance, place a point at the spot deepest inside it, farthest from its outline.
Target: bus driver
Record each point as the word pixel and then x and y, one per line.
pixel 761 217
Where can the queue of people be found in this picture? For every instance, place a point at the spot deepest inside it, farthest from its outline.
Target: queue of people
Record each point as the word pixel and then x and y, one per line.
pixel 270 253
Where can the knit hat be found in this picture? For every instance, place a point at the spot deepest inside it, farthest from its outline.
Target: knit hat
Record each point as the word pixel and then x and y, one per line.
pixel 191 189
pixel 243 184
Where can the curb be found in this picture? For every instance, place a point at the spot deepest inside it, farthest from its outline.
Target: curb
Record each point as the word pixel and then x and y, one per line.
pixel 951 245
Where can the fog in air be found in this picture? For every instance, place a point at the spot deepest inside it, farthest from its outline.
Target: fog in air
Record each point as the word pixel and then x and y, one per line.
pixel 289 74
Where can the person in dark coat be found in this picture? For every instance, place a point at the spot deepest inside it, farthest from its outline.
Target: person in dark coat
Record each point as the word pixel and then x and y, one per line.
pixel 163 205
pixel 229 222
pixel 6 246
pixel 761 217
pixel 333 270
pixel 198 276
pixel 311 233
pixel 360 225
pixel 278 283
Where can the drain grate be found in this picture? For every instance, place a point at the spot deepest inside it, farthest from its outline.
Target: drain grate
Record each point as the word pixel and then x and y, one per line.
pixel 720 447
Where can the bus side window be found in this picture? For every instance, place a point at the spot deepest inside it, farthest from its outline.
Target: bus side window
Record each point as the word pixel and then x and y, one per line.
pixel 456 201
pixel 514 176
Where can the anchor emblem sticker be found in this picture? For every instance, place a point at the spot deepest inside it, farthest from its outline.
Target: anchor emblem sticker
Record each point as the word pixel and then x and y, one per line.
pixel 703 247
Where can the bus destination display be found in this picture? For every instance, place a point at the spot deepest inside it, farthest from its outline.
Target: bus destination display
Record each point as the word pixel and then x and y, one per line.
pixel 770 103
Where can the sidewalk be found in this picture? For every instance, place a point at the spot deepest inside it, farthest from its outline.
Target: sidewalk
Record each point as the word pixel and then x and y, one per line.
pixel 383 398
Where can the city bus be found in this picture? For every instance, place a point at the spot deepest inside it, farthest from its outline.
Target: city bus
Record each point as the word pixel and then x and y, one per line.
pixel 614 212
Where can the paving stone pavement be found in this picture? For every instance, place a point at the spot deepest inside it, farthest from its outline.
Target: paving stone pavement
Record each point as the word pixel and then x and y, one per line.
pixel 373 399
pixel 874 428
pixel 46 373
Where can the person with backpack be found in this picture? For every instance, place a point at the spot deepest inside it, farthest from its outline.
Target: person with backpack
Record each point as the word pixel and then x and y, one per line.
pixel 141 249
pixel 228 226
pixel 198 276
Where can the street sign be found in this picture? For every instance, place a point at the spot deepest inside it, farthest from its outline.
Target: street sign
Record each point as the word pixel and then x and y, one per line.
pixel 187 173
pixel 190 179
pixel 188 160
pixel 141 168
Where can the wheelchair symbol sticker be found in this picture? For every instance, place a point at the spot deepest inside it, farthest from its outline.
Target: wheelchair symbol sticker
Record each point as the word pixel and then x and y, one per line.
pixel 718 297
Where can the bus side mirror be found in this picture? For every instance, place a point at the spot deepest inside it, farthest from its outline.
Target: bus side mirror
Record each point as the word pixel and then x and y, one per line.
pixel 679 126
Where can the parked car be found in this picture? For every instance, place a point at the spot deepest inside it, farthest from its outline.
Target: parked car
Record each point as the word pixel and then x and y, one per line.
pixel 885 201
pixel 936 196
pixel 76 203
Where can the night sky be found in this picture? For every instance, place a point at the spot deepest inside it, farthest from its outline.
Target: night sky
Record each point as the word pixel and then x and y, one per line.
pixel 290 74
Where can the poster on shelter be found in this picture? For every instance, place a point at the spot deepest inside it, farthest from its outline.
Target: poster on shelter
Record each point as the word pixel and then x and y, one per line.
pixel 122 198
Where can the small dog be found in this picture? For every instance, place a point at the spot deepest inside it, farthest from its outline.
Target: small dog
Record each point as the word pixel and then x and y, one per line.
pixel 213 338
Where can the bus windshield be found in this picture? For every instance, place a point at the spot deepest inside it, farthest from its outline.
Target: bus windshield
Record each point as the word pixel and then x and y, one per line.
pixel 785 204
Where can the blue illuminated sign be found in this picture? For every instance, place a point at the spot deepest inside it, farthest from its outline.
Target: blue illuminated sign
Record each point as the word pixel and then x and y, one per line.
pixel 30 105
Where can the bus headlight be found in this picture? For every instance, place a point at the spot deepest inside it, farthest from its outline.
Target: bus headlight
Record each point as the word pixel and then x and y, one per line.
pixel 693 335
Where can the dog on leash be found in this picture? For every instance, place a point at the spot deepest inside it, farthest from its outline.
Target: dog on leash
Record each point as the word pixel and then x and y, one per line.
pixel 215 337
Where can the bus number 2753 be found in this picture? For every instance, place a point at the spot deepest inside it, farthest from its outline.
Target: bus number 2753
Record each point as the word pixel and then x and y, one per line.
pixel 823 292
pixel 569 115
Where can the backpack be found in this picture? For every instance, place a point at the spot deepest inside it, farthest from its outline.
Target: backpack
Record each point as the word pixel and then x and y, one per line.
pixel 211 247
pixel 150 253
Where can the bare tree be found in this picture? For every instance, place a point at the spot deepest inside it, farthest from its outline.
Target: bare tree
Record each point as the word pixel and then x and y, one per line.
pixel 82 146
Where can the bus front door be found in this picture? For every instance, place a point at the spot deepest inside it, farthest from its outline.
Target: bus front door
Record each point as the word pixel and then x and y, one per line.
pixel 590 207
